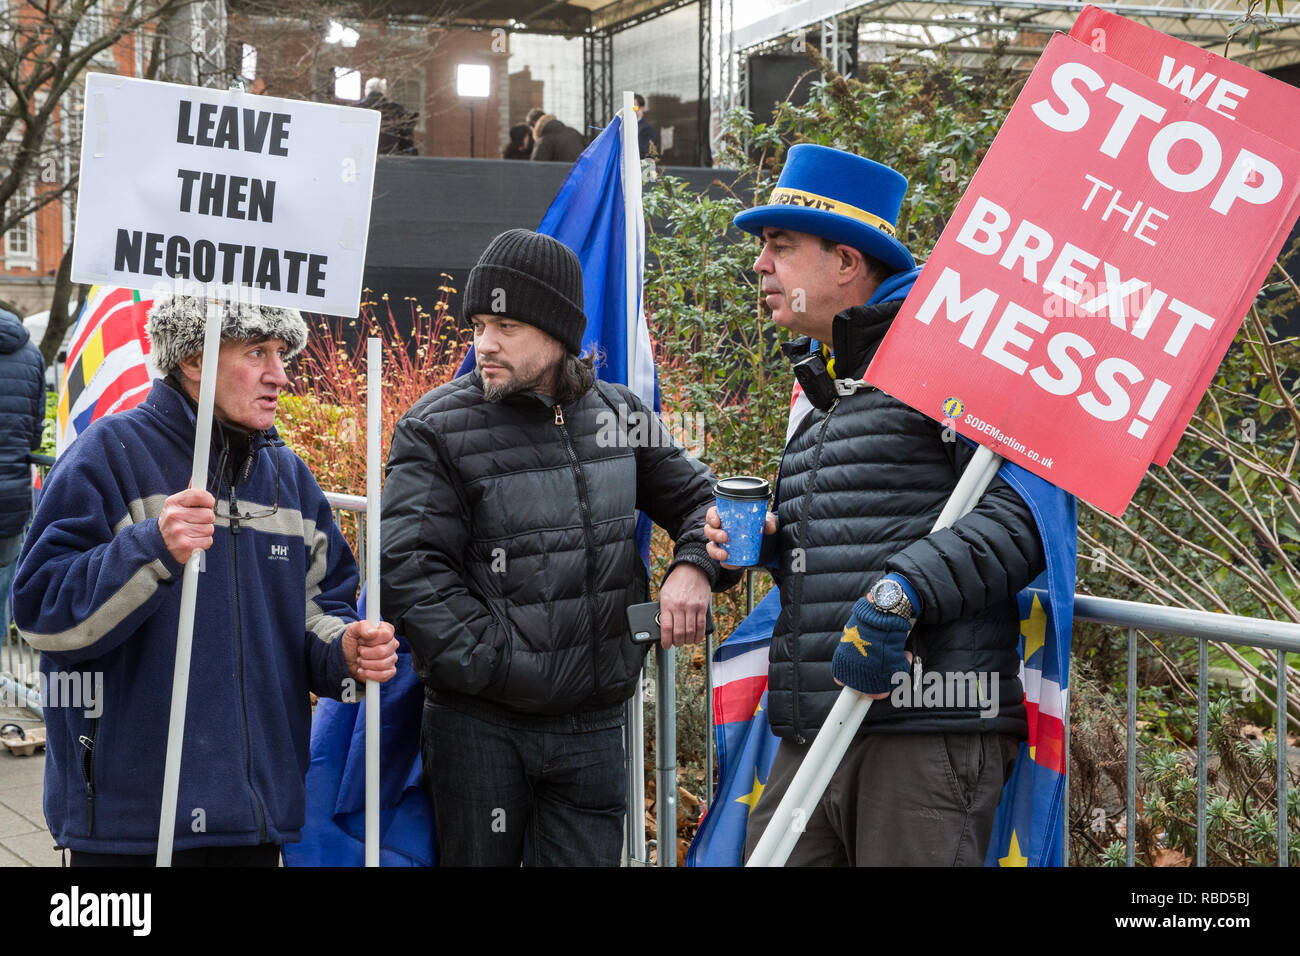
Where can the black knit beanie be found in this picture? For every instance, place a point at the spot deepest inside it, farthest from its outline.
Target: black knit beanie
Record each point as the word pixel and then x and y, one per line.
pixel 531 278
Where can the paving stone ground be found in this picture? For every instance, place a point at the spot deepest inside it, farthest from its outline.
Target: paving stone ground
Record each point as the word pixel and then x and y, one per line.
pixel 24 840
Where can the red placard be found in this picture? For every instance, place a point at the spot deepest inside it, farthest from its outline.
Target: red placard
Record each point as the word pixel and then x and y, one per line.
pixel 1237 92
pixel 1095 267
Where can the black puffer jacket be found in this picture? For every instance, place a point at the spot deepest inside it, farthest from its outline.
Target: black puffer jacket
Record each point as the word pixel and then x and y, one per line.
pixel 22 420
pixel 509 554
pixel 861 485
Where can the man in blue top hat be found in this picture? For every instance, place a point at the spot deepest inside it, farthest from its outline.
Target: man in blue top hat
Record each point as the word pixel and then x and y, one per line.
pixel 924 623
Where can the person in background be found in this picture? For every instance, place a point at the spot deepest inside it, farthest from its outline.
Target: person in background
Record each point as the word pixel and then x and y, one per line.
pixel 521 143
pixel 22 423
pixel 397 126
pixel 555 142
pixel 646 133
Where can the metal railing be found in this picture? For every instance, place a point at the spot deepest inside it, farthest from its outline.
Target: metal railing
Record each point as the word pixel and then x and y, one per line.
pixel 1205 627
pixel 1280 636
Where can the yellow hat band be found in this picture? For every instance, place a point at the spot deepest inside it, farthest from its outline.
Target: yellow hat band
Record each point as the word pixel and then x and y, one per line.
pixel 783 196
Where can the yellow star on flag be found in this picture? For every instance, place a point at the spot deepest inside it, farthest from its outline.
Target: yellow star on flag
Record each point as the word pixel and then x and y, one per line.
pixel 751 799
pixel 851 637
pixel 1034 628
pixel 1014 857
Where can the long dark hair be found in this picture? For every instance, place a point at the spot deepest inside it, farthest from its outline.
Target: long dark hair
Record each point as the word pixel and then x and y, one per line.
pixel 576 375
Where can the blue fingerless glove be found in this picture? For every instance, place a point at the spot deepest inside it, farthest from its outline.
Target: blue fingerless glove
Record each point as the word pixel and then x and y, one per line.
pixel 870 651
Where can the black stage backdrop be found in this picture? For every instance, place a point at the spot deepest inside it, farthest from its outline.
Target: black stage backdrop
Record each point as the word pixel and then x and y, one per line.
pixel 433 215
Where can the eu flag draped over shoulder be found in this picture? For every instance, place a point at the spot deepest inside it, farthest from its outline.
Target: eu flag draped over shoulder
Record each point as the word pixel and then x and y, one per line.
pixel 1027 828
pixel 587 215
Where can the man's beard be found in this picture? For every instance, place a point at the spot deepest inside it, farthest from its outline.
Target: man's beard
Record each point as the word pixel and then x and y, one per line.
pixel 495 391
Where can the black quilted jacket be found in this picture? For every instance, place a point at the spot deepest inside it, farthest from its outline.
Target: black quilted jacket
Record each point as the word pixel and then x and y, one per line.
pixel 22 419
pixel 509 554
pixel 861 485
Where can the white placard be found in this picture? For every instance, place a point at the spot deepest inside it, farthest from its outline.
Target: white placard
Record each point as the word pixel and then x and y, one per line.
pixel 224 194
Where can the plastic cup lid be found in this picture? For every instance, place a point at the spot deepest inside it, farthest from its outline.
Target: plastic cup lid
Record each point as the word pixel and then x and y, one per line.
pixel 744 487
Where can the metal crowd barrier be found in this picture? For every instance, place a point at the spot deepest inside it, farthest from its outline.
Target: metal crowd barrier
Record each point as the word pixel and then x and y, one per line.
pixel 1135 616
pixel 1279 636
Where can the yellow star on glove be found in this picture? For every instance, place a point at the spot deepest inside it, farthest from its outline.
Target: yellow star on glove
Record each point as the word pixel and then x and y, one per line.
pixel 851 637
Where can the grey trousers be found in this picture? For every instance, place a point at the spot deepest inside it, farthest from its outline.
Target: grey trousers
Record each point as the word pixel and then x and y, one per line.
pixel 897 800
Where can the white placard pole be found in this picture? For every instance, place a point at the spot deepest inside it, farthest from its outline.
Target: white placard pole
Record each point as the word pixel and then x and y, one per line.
pixel 189 589
pixel 850 709
pixel 374 414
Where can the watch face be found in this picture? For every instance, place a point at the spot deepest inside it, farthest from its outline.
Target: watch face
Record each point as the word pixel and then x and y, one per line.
pixel 887 594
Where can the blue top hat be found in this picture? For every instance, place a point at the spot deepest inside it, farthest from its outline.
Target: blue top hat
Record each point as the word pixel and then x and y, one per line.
pixel 836 195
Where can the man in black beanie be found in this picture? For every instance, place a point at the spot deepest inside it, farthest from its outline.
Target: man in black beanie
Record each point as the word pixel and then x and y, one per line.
pixel 509 559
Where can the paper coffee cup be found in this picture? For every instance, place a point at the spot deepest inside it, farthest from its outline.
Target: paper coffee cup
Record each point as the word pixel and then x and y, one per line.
pixel 742 509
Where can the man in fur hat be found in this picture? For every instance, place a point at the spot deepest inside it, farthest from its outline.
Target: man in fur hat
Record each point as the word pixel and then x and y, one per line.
pixel 98 593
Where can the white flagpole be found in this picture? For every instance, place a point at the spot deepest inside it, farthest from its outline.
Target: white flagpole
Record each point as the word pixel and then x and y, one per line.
pixel 850 709
pixel 374 414
pixel 631 156
pixel 631 218
pixel 189 590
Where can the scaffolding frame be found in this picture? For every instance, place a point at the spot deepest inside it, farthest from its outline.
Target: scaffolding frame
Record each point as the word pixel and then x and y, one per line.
pixel 971 30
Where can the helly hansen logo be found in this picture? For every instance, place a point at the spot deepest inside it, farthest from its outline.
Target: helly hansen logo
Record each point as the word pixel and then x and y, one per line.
pixel 279 552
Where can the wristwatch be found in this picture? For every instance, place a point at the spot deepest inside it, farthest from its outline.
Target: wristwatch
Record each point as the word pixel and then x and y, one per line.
pixel 888 595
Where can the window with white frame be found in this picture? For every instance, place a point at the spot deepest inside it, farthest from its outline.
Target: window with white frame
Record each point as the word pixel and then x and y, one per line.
pixel 20 239
pixel 91 25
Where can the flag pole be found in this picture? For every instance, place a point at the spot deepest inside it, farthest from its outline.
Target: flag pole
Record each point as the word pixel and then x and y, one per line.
pixel 374 415
pixel 189 589
pixel 631 157
pixel 850 709
pixel 631 214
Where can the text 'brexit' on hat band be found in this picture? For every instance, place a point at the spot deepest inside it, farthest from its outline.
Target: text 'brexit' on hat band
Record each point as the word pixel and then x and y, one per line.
pixel 784 196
